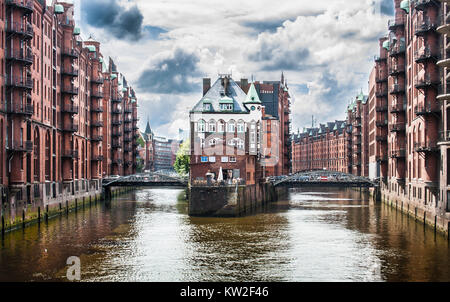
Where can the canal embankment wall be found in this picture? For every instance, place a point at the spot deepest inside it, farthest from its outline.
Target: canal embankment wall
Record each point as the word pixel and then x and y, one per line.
pixel 231 201
pixel 19 215
pixel 428 214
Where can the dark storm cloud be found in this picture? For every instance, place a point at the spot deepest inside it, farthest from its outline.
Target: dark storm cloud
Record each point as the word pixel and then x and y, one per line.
pixel 387 7
pixel 273 59
pixel 121 22
pixel 171 75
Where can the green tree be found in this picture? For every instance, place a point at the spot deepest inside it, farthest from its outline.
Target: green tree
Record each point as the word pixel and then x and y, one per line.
pixel 183 160
pixel 141 142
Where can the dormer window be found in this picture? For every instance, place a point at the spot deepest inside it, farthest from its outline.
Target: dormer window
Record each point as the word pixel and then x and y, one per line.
pixel 226 107
pixel 206 107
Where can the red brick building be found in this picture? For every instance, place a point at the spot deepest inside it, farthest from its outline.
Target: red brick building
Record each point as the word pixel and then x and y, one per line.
pixel 325 147
pixel 415 173
pixel 54 118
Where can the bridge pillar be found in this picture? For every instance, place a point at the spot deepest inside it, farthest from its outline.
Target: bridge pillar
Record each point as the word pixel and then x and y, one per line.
pixel 108 193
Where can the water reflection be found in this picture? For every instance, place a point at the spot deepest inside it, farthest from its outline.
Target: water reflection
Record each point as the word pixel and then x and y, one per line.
pixel 312 236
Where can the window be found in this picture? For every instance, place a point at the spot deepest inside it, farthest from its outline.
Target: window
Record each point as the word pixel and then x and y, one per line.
pixel 232 159
pixel 221 126
pixel 231 126
pixel 206 107
pixel 224 159
pixel 226 107
pixel 201 127
pixel 241 127
pixel 212 126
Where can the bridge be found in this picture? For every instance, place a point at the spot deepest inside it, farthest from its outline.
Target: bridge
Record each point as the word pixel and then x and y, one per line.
pixel 324 178
pixel 151 179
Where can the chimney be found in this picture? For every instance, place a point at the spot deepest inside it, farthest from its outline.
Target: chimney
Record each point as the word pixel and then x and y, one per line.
pixel 206 85
pixel 244 85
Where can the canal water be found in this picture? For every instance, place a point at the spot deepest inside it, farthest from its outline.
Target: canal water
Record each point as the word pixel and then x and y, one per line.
pixel 315 235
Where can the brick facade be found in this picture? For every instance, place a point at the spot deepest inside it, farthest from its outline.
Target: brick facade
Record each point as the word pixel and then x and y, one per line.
pixel 55 108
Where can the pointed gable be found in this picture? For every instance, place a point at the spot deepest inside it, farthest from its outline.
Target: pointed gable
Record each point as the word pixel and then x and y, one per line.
pixel 252 96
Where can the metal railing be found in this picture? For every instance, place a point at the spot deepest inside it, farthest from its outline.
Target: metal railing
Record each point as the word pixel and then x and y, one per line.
pixel 27 4
pixel 71 52
pixel 19 82
pixel 26 109
pixel 20 55
pixel 20 28
pixel 398 127
pixel 21 146
pixel 70 108
pixel 69 71
pixel 398 153
pixel 69 90
pixel 424 147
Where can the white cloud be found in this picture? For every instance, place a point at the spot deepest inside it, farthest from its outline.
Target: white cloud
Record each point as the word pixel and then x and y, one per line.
pixel 327 45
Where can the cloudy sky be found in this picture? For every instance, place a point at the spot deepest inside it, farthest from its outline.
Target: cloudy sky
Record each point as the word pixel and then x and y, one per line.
pixel 165 48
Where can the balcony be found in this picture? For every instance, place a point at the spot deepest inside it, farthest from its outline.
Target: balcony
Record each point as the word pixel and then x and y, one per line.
pixel 27 6
pixel 117 123
pixel 97 95
pixel 398 108
pixel 424 27
pixel 21 146
pixel 398 127
pixel 398 49
pixel 381 93
pixel 127 140
pixel 71 90
pixel 117 162
pixel 379 59
pixel 128 163
pixel 96 158
pixel 69 71
pixel 425 54
pixel 426 147
pixel 70 128
pixel 24 30
pixel 97 80
pixel 381 138
pixel 128 120
pixel 70 52
pixel 20 109
pixel 116 111
pixel 116 145
pixel 116 134
pixel 97 138
pixel 423 4
pixel 97 124
pixel 127 129
pixel 116 99
pixel 396 70
pixel 399 153
pixel 382 108
pixel 25 57
pixel 128 110
pixel 70 108
pixel 444 92
pixel 19 82
pixel 70 154
pixel 422 110
pixel 97 109
pixel 396 23
pixel 444 28
pixel 445 136
pixel 425 82
pixel 397 89
pixel 380 78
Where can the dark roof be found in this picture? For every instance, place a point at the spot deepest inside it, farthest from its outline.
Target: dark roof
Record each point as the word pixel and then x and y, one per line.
pixel 217 94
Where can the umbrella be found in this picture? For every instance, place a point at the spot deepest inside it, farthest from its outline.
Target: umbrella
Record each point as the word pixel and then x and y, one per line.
pixel 220 177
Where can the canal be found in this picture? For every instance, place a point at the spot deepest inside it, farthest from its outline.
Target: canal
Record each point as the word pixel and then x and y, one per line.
pixel 315 235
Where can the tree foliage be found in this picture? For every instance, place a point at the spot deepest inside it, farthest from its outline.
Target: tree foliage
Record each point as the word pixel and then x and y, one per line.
pixel 183 160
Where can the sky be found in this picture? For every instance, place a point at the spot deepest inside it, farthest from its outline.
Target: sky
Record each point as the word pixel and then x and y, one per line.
pixel 165 47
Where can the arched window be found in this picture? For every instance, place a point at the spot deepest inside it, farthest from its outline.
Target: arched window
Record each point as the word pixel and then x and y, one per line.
pixel 76 162
pixel 37 151
pixel 201 127
pixel 212 126
pixel 231 126
pixel 47 155
pixel 241 126
pixel 221 126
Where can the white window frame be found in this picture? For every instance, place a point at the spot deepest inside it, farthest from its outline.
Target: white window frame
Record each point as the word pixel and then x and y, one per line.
pixel 232 159
pixel 212 126
pixel 221 126
pixel 231 127
pixel 201 126
pixel 241 127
